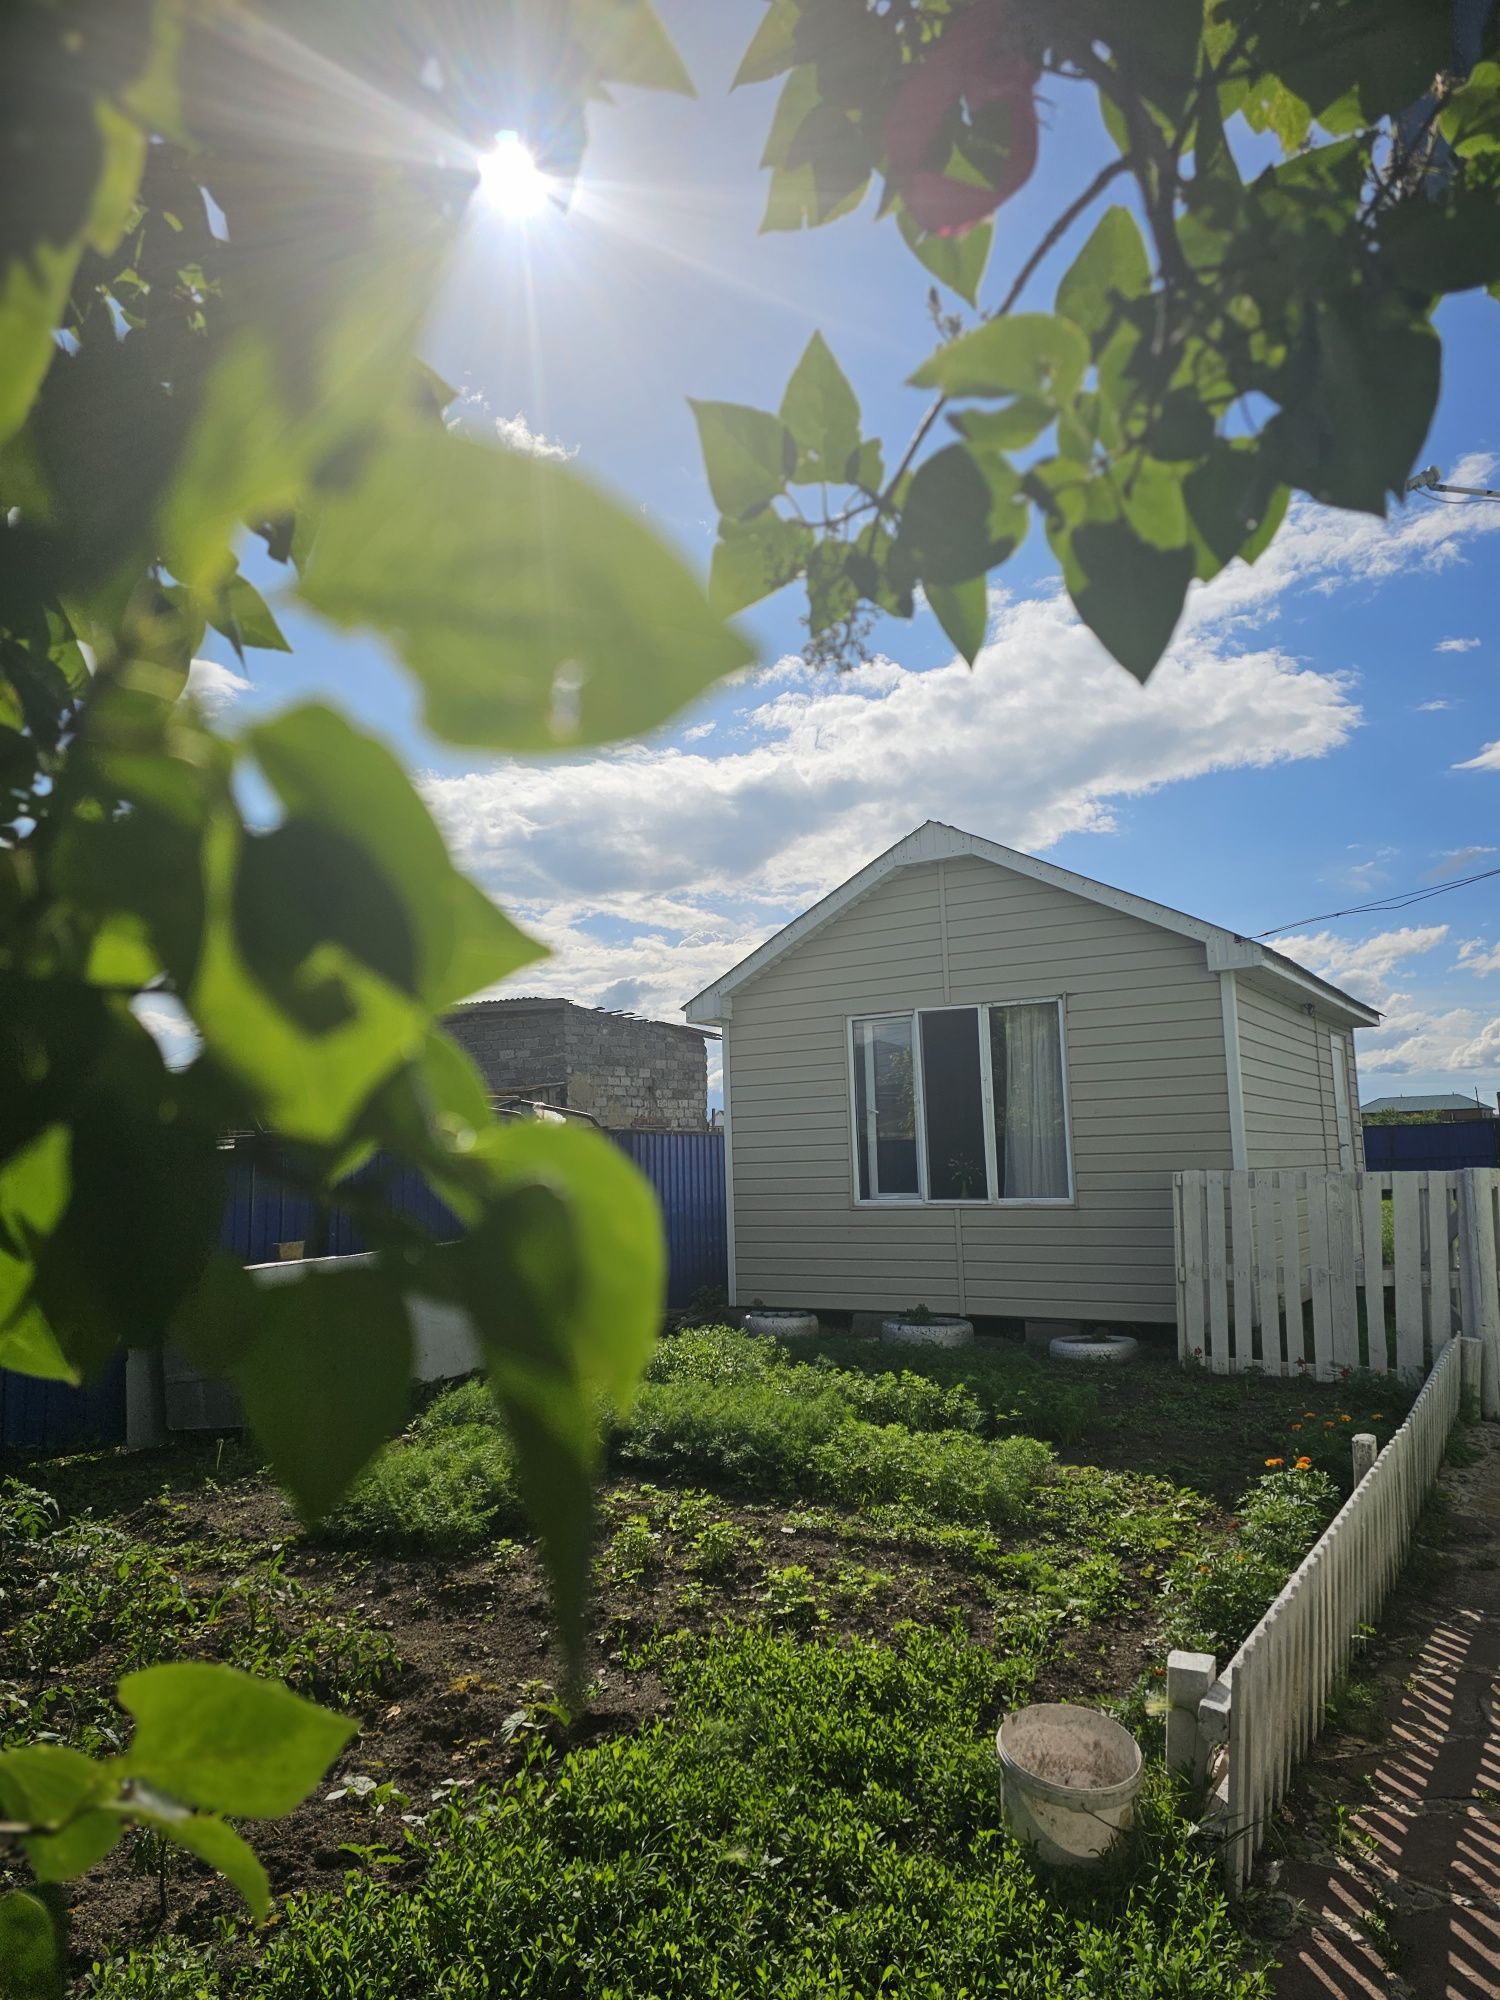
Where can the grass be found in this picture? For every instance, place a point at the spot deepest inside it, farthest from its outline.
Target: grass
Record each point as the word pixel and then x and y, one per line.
pixel 819 1582
pixel 817 1822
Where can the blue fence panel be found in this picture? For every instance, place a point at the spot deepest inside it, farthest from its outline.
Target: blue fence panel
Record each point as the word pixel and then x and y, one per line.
pixel 687 1171
pixel 685 1168
pixel 1410 1148
pixel 46 1416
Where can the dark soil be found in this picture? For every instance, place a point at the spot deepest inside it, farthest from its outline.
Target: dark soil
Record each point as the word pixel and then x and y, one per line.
pixel 480 1668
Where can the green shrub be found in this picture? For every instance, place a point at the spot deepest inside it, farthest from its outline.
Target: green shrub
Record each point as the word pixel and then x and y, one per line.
pixel 715 1354
pixel 1216 1596
pixel 816 1822
pixel 744 1433
pixel 915 1401
pixel 945 1474
pixel 459 1408
pixel 452 1486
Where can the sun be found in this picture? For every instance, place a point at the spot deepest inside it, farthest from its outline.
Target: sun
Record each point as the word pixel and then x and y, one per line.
pixel 510 181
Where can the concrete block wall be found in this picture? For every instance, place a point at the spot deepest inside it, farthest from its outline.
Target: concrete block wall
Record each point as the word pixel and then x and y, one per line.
pixel 624 1072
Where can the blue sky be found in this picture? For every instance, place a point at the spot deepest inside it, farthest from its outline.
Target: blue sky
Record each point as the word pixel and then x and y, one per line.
pixel 1304 746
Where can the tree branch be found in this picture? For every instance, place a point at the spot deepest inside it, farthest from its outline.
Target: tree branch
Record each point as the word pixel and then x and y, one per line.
pixel 1059 230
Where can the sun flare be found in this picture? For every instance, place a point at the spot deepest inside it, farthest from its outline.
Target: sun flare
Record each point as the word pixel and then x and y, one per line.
pixel 510 181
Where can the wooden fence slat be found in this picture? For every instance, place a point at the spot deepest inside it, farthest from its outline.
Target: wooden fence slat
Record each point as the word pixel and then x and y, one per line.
pixel 1267 1277
pixel 1218 1273
pixel 1341 1233
pixel 1439 1293
pixel 1289 1200
pixel 1318 1273
pixel 1190 1257
pixel 1242 1251
pixel 1371 1212
pixel 1406 1203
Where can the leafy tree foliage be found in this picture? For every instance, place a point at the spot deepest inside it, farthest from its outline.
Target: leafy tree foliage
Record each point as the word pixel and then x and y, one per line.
pixel 224 222
pixel 1232 334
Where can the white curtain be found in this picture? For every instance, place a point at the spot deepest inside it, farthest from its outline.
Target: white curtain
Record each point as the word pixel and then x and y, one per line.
pixel 1036 1142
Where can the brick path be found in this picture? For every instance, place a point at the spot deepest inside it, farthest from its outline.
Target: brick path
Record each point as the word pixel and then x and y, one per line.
pixel 1389 1883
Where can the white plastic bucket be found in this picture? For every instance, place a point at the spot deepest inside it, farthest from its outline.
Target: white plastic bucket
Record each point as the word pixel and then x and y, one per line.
pixel 1069 1779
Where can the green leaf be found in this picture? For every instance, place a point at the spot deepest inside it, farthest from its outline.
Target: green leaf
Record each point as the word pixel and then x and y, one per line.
pixel 327 772
pixel 748 454
pixel 45 1784
pixel 30 1963
pixel 1470 117
pixel 223 1740
pixel 819 161
pixel 242 615
pixel 535 611
pixel 328 1380
pixel 28 1347
pixel 1352 440
pixel 772 47
pixel 963 611
pixel 1112 265
pixel 34 1187
pixel 821 411
pixel 77 1846
pixel 755 557
pixel 1234 504
pixel 1025 354
pixel 629 44
pixel 962 516
pixel 1126 590
pixel 213 1841
pixel 1019 423
pixel 564 1282
pixel 33 296
pixel 955 261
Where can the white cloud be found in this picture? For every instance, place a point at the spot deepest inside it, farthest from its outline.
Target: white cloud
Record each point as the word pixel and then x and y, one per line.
pixel 1432 707
pixel 517 435
pixel 213 686
pixel 652 868
pixel 1360 965
pixel 1474 955
pixel 1488 759
pixel 1455 645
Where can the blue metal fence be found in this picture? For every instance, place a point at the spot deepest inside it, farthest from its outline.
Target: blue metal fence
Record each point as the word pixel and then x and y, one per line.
pixel 687 1171
pixel 1410 1148
pixel 685 1168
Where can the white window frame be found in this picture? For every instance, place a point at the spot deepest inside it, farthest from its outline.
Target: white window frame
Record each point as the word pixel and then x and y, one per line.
pixel 923 1198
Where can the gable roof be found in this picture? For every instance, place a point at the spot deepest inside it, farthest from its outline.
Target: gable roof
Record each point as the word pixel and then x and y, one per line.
pixel 1226 950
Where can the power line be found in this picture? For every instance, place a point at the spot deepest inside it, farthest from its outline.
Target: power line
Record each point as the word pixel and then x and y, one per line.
pixel 1399 899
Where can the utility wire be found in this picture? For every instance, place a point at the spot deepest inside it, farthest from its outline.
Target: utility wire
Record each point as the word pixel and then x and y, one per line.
pixel 1399 899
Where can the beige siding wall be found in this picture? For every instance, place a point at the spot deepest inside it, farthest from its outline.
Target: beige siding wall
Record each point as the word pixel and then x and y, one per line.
pixel 1286 1061
pixel 1147 1091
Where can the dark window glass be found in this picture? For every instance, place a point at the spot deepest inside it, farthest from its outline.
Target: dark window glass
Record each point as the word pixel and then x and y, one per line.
pixel 953 1105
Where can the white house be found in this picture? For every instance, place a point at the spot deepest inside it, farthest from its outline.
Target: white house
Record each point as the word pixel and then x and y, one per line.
pixel 965 1078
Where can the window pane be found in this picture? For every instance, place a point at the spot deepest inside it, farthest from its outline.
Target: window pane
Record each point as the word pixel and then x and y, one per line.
pixel 885 1108
pixel 1031 1137
pixel 953 1106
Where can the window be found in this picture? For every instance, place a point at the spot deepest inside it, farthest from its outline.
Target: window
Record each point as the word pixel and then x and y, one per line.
pixel 961 1104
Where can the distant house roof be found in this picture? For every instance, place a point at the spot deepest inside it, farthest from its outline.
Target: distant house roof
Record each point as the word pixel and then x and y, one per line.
pixel 933 841
pixel 1445 1100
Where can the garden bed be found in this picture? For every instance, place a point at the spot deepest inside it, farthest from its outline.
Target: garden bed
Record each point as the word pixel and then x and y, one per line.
pixel 771 1532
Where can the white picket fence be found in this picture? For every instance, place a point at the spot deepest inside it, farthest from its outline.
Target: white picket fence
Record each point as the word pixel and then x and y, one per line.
pixel 1284 1270
pixel 1257 1720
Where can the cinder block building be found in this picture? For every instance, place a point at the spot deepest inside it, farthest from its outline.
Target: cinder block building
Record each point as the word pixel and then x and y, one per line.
pixel 624 1072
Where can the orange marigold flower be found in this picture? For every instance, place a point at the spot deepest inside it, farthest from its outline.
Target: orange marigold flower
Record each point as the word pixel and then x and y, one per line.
pixel 1303 1464
pixel 1345 1418
pixel 1376 1415
pixel 1275 1461
pixel 1329 1425
pixel 1296 1427
pixel 1309 1413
